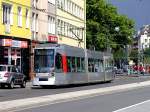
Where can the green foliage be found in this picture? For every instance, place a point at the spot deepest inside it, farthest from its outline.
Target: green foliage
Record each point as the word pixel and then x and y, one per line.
pixel 134 55
pixel 147 52
pixel 102 18
pixel 147 56
pixel 119 54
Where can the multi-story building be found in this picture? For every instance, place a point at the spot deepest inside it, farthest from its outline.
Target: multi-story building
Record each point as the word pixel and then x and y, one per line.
pixel 71 22
pixel 15 33
pixel 43 19
pixel 144 37
pixel 59 21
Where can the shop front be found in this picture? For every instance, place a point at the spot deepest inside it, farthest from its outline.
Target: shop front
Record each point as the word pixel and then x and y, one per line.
pixel 15 52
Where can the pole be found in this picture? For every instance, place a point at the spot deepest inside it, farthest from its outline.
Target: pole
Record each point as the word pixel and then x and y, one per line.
pixel 56 25
pixel 84 41
pixel 138 59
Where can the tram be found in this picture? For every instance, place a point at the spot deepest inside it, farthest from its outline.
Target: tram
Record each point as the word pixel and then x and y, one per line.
pixel 56 64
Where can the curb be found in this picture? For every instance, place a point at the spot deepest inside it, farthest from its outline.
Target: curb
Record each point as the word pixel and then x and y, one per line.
pixel 10 106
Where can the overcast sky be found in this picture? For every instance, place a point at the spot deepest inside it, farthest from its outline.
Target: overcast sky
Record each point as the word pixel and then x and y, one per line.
pixel 139 10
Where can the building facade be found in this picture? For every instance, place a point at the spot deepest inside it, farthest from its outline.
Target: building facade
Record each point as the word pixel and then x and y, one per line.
pixel 15 33
pixel 63 21
pixel 43 19
pixel 71 22
pixel 144 37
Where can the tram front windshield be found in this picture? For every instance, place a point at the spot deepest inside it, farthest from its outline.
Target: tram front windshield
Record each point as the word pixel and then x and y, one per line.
pixel 43 60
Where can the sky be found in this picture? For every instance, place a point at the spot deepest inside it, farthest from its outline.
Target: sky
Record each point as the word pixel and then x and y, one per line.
pixel 138 10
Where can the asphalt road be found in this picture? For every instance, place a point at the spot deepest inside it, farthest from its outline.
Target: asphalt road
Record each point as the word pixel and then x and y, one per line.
pixel 102 103
pixel 18 93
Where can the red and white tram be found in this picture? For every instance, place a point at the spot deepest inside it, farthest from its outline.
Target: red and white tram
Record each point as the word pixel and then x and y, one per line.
pixel 62 64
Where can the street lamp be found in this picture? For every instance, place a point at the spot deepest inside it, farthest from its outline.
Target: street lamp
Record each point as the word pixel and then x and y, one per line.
pixel 117 28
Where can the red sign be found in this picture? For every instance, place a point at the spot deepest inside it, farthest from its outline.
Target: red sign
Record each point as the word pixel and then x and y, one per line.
pixel 52 39
pixel 24 44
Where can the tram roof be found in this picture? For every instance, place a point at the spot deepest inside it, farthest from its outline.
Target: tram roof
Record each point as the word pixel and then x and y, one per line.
pixel 72 51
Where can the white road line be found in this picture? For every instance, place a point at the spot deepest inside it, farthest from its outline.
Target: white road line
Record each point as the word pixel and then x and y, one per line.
pixel 135 105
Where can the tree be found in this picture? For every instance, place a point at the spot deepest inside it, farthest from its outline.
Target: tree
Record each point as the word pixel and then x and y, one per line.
pixel 146 56
pixel 134 55
pixel 102 18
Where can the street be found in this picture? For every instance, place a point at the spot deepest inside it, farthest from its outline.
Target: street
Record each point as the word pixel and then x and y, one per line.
pixel 74 56
pixel 101 103
pixel 28 92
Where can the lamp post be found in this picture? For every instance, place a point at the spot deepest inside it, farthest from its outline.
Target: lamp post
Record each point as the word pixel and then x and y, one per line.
pixel 117 29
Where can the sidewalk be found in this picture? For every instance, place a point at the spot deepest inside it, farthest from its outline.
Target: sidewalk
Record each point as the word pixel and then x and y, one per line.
pixel 133 75
pixel 29 84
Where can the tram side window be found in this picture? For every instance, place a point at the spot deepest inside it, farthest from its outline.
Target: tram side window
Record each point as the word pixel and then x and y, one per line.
pixel 101 65
pixel 78 61
pixel 91 65
pixel 96 66
pixel 58 63
pixel 69 64
pixel 73 69
pixel 82 65
pixel 75 64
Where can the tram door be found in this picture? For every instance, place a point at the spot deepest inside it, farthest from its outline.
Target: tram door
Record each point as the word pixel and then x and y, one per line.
pixel 108 63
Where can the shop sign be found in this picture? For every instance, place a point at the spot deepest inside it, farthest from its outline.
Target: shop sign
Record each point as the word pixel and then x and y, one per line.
pixel 24 44
pixel 52 39
pixel 7 42
pixel 13 43
pixel 16 43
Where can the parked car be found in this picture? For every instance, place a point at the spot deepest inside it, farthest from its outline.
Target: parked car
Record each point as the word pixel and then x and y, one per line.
pixel 10 75
pixel 119 71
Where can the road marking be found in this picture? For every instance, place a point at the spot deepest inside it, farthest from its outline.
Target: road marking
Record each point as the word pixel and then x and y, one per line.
pixel 129 107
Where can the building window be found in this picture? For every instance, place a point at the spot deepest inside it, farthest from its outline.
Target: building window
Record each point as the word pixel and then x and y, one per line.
pixel 51 25
pixel 71 7
pixel 37 23
pixel 19 16
pixel 33 22
pixel 27 18
pixel 58 25
pixel 7 17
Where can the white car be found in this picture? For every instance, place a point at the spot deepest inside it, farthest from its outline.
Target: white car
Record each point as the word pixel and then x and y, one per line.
pixel 10 75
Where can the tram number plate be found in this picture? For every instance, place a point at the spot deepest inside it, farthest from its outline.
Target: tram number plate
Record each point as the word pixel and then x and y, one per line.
pixel 43 79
